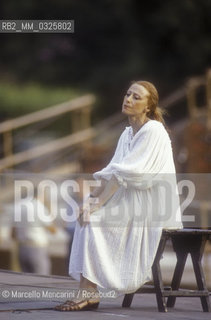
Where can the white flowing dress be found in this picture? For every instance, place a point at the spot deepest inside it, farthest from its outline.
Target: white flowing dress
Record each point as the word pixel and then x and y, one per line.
pixel 117 247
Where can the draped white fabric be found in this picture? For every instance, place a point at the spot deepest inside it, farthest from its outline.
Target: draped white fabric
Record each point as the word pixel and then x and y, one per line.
pixel 117 248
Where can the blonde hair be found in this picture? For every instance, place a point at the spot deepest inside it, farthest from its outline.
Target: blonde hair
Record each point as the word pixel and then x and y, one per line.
pixel 155 113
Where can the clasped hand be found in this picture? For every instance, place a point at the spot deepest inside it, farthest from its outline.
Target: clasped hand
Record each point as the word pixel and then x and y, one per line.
pixel 86 209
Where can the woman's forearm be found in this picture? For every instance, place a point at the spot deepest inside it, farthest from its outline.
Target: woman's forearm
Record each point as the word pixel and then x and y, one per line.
pixel 98 190
pixel 108 191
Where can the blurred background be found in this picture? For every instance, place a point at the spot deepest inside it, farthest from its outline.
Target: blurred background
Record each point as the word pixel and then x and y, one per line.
pixel 61 97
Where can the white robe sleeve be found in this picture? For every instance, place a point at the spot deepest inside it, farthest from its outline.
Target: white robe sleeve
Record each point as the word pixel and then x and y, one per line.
pixel 149 156
pixel 106 173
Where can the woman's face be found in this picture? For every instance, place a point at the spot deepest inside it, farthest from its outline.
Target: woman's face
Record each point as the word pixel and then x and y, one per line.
pixel 135 101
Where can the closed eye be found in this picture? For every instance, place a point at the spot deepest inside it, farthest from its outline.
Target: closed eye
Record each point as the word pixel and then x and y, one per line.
pixel 137 97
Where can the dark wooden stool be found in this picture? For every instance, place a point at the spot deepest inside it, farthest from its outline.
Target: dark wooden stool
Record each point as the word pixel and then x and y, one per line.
pixel 184 241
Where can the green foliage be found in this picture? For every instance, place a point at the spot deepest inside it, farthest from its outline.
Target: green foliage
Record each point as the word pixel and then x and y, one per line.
pixel 115 41
pixel 21 99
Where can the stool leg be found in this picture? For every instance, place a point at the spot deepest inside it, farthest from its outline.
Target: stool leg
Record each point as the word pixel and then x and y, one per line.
pixel 200 278
pixel 157 277
pixel 127 300
pixel 181 260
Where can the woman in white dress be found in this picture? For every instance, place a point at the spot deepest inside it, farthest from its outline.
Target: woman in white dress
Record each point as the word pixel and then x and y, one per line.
pixel 137 198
